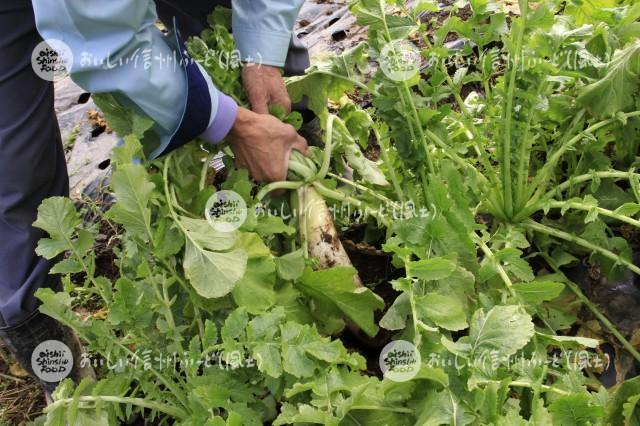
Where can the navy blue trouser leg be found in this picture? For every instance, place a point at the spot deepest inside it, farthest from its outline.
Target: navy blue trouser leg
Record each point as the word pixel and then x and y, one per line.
pixel 32 163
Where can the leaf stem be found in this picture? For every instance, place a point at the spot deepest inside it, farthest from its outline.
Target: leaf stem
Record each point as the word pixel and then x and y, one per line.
pixel 205 169
pixel 487 251
pixel 416 119
pixel 477 139
pixel 417 336
pixel 506 145
pixel 522 384
pixel 339 196
pixel 594 309
pixel 555 157
pixel 535 226
pixel 412 133
pixel 328 148
pixel 524 160
pixel 298 199
pixel 364 189
pixel 612 174
pixel 384 147
pixel 407 92
pixel 163 298
pixel 140 402
pixel 496 208
pixel 383 408
pixel 600 210
pixel 284 184
pixel 190 292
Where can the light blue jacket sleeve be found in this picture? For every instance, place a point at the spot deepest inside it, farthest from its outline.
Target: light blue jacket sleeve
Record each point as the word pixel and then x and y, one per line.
pixel 117 48
pixel 102 36
pixel 262 29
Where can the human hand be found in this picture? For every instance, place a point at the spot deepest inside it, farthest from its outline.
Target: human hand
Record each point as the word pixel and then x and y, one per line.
pixel 262 144
pixel 264 86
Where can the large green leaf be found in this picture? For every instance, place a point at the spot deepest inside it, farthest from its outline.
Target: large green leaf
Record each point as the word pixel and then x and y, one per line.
pixel 631 411
pixel 58 217
pixel 443 408
pixel 373 13
pixel 444 310
pixel 575 410
pixel 396 316
pixel 537 292
pixel 431 269
pixel 255 290
pixel 213 274
pixel 329 78
pixel 618 87
pixel 504 328
pixel 206 236
pixel 336 286
pixel 291 265
pixel 123 121
pixel 589 12
pixel 502 331
pixel 133 191
pixel 616 414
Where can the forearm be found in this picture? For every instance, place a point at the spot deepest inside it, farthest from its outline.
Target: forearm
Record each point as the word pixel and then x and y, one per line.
pixel 118 49
pixel 114 45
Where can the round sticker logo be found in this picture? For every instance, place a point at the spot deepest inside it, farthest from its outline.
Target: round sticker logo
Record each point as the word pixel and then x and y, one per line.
pixel 51 59
pixel 51 361
pixel 400 60
pixel 400 360
pixel 226 211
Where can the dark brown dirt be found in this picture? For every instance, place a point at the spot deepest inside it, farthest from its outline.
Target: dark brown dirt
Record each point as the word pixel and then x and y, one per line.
pixel 106 241
pixel 98 123
pixel 375 270
pixel 21 398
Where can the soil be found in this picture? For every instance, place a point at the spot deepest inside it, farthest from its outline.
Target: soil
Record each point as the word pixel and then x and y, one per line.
pixel 98 123
pixel 434 20
pixel 22 400
pixel 376 271
pixel 106 241
pixel 21 397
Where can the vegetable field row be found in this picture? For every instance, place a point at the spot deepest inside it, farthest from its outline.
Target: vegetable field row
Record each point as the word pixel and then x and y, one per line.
pixel 478 175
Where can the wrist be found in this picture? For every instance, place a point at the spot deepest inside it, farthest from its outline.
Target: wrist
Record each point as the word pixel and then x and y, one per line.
pixel 243 118
pixel 223 121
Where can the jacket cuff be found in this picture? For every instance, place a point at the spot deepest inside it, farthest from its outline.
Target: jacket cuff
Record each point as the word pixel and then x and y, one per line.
pixel 262 47
pixel 224 118
pixel 196 114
